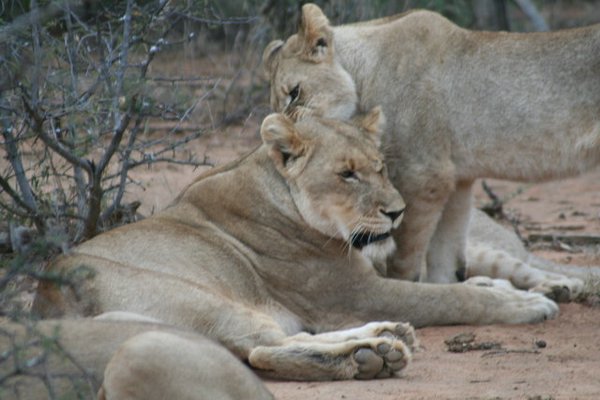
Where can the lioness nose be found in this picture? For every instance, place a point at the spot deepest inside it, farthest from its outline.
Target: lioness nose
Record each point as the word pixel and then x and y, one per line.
pixel 393 215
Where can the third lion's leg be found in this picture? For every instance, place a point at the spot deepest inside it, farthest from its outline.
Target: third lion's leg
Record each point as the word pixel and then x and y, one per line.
pixel 413 237
pixel 446 254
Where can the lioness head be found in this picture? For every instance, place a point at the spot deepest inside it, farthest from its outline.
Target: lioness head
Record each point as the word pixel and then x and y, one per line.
pixel 305 76
pixel 337 177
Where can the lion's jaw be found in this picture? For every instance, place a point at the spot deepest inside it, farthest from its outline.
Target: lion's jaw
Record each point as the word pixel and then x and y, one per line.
pixel 368 232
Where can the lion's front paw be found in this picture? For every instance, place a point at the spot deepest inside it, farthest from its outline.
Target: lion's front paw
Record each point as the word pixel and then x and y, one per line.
pixel 518 306
pixel 561 290
pixel 381 359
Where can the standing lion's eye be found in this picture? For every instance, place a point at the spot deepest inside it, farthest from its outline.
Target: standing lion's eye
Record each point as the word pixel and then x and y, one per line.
pixel 294 93
pixel 348 174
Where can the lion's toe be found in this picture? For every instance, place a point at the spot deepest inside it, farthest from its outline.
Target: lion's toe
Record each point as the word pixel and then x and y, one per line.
pixel 401 331
pixel 382 360
pixel 369 363
pixel 561 291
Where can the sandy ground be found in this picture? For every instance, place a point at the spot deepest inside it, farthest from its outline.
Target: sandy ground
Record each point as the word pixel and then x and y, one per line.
pixel 568 367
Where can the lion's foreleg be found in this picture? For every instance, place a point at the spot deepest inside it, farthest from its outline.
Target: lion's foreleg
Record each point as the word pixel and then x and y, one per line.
pixel 426 189
pixel 446 255
pixel 413 238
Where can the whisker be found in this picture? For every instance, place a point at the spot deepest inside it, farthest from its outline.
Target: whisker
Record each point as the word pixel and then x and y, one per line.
pixel 355 231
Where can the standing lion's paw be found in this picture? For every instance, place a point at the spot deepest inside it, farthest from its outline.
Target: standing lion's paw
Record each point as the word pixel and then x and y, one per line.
pixel 560 290
pixel 381 359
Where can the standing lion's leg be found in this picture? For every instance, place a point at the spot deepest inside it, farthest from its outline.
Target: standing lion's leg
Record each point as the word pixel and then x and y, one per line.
pixel 412 239
pixel 446 255
pixel 426 190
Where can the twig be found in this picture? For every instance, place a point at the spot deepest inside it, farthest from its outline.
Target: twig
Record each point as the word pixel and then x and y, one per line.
pixel 500 352
pixel 13 211
pixel 533 14
pixel 15 196
pixel 172 161
pixel 38 128
pixel 496 210
pixel 223 21
pixel 124 170
pixel 28 200
pixel 186 80
pixel 571 240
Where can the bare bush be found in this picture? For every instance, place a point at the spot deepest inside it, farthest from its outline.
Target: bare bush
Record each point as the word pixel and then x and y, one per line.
pixel 86 97
pixel 82 101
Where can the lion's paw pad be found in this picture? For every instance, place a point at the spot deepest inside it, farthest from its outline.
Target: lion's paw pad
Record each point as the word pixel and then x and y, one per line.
pixel 381 360
pixel 401 331
pixel 561 291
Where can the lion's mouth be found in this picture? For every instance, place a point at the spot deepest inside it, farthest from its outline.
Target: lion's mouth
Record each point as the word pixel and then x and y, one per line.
pixel 362 239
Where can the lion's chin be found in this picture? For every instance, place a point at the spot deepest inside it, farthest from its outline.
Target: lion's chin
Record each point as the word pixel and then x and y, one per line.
pixel 363 239
pixel 379 251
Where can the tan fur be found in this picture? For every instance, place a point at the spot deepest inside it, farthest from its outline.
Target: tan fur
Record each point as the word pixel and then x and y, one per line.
pixel 460 105
pixel 259 252
pixel 181 364
pixel 496 252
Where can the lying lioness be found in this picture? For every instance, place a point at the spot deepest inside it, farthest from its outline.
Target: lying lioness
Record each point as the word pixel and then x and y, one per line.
pixel 119 360
pixel 461 105
pixel 267 256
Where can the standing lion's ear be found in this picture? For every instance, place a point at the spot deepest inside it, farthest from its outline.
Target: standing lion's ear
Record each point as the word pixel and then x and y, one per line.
pixel 315 34
pixel 280 135
pixel 373 124
pixel 269 56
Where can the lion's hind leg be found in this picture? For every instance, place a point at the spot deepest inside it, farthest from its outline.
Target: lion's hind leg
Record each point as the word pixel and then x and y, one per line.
pixel 498 264
pixel 338 355
pixel 177 365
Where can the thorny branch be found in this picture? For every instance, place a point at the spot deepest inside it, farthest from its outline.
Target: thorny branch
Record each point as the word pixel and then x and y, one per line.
pixel 80 94
pixel 55 122
pixel 495 209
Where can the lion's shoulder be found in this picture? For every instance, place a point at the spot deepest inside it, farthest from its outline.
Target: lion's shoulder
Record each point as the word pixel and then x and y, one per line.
pixel 421 20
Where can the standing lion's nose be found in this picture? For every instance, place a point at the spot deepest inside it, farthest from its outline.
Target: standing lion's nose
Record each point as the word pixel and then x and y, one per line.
pixel 393 215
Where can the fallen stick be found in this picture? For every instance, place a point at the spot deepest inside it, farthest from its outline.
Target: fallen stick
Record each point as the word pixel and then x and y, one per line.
pixel 571 240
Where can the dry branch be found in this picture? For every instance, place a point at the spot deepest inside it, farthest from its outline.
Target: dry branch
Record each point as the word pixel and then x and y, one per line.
pixel 571 240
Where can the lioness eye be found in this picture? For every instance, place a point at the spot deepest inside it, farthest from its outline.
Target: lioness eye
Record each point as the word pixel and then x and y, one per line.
pixel 383 171
pixel 294 93
pixel 348 174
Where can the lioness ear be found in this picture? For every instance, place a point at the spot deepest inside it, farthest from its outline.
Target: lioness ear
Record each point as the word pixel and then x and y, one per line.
pixel 280 135
pixel 373 124
pixel 315 34
pixel 269 56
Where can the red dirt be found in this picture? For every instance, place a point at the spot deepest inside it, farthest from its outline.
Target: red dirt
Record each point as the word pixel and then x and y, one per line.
pixel 567 368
